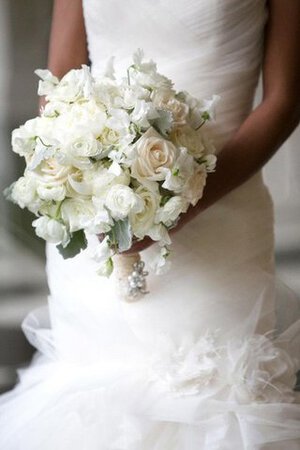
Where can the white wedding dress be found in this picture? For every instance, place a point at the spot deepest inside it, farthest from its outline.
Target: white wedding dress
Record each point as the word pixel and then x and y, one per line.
pixel 204 361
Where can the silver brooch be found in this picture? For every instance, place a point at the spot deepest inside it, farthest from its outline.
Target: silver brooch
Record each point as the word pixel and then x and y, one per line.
pixel 137 280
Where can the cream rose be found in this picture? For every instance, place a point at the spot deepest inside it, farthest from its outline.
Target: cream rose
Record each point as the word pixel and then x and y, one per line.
pixel 153 155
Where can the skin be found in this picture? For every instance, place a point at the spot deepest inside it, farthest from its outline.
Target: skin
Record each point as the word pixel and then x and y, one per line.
pixel 263 131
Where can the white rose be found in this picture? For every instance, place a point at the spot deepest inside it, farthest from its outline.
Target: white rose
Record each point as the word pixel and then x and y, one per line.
pixel 51 230
pixel 193 190
pixel 78 213
pixel 142 221
pixel 153 154
pixel 121 200
pixel 189 138
pixel 169 213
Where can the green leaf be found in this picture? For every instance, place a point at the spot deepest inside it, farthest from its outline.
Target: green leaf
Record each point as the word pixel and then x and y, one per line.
pixel 120 234
pixel 77 243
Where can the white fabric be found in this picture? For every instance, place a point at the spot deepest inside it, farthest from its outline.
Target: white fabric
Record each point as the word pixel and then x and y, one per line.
pixel 202 362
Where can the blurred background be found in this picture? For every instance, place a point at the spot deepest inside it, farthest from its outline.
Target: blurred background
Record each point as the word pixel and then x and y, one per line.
pixel 24 32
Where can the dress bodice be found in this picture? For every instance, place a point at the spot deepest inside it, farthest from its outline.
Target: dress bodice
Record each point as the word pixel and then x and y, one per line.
pixel 205 46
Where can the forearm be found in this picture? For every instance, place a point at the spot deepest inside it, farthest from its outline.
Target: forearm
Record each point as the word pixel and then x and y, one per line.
pixel 261 134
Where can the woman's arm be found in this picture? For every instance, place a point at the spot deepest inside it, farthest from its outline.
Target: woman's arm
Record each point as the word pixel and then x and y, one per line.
pixel 68 45
pixel 270 124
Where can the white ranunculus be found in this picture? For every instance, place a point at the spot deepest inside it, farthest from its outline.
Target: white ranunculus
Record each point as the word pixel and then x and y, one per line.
pixel 169 213
pixel 78 151
pixel 23 192
pixel 84 145
pixel 193 189
pixel 186 136
pixel 122 200
pixel 51 230
pixel 153 154
pixel 78 213
pixel 141 222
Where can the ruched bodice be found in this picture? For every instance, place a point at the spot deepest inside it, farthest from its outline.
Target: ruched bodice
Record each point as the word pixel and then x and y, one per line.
pixel 205 47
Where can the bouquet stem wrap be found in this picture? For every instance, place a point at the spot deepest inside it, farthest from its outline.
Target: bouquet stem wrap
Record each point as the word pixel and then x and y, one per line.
pixel 130 276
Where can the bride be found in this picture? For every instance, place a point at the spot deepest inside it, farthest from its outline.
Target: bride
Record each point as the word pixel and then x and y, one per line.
pixel 202 361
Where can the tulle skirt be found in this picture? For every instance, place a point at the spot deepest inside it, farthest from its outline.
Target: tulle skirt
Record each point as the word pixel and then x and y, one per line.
pixel 206 361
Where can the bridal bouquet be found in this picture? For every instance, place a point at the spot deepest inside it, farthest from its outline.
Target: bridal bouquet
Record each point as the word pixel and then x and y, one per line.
pixel 118 157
